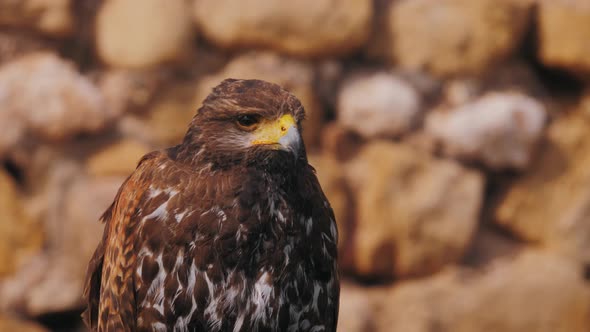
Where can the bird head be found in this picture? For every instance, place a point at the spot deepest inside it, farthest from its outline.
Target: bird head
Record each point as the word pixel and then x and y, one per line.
pixel 247 120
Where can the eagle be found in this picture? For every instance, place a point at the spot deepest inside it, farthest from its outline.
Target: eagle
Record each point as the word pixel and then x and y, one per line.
pixel 227 231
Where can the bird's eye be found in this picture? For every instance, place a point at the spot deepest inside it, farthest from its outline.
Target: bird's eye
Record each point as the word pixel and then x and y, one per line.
pixel 248 121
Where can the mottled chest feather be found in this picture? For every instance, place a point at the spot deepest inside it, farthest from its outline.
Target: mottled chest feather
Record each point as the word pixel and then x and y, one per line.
pixel 235 252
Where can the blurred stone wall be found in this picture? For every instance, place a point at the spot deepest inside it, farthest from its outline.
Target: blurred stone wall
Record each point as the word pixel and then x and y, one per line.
pixel 451 136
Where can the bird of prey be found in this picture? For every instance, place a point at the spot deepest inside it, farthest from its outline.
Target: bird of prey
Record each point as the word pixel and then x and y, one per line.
pixel 227 231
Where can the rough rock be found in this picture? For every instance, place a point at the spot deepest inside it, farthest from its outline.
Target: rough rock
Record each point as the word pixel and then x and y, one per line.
pixel 18 43
pixel 380 43
pixel 8 323
pixel 84 202
pixel 43 96
pixel 357 307
pixel 550 203
pixel 498 129
pixel 339 142
pixel 119 158
pixel 419 140
pixel 490 244
pixel 51 17
pixel 585 101
pixel 516 77
pixel 20 236
pixel 168 118
pixel 331 177
pixel 143 33
pixel 564 26
pixel 71 204
pixel 378 104
pixel 415 213
pixel 29 165
pixel 293 75
pixel 129 90
pixel 534 292
pixel 456 36
pixel 303 28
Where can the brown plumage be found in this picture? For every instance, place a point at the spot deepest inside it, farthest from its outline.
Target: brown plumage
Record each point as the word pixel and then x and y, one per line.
pixel 228 231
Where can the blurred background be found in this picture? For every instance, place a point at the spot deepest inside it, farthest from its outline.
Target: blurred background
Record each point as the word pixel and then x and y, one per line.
pixel 451 136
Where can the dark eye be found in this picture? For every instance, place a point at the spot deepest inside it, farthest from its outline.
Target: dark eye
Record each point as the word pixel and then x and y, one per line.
pixel 247 121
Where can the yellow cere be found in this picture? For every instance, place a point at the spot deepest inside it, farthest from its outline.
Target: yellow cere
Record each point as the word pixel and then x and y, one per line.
pixel 271 132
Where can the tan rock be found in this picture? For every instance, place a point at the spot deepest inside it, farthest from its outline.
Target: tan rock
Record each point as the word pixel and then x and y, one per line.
pixel 331 177
pixel 143 33
pixel 168 118
pixel 513 77
pixel 18 43
pixel 378 105
pixel 456 36
pixel 20 237
pixel 550 203
pixel 380 43
pixel 70 204
pixel 293 75
pixel 129 90
pixel 8 323
pixel 73 244
pixel 499 130
pixel 585 102
pixel 415 213
pixel 119 158
pixel 303 28
pixel 535 291
pixel 328 77
pixel 564 27
pixel 44 96
pixel 357 307
pixel 490 244
pixel 339 142
pixel 51 17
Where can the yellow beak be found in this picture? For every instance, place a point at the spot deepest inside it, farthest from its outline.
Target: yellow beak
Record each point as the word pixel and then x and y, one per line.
pixel 282 133
pixel 272 132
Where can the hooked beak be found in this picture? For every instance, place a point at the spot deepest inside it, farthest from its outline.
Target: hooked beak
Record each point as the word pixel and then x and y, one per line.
pixel 282 133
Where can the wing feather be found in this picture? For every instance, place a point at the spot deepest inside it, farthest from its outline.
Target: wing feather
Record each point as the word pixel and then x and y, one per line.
pixel 109 290
pixel 325 214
